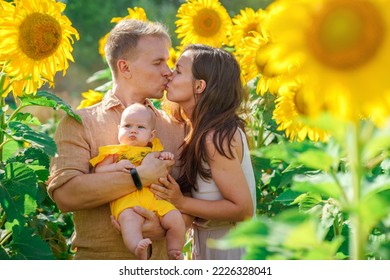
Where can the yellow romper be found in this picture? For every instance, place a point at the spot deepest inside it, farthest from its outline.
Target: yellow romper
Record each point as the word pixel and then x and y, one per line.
pixel 144 198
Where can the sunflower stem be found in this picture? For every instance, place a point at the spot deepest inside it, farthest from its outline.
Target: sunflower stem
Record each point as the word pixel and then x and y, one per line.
pixel 11 117
pixel 344 196
pixel 260 138
pixel 357 239
pixel 2 116
pixel 2 121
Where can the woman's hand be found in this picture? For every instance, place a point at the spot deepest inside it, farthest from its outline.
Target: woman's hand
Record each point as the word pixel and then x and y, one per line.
pixel 170 191
pixel 151 227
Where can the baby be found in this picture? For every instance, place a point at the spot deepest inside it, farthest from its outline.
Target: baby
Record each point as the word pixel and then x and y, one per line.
pixel 137 138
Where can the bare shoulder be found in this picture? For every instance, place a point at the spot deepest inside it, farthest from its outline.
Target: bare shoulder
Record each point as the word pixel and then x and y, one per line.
pixel 235 144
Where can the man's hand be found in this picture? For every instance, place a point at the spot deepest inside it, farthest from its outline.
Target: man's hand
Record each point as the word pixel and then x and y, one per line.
pixel 152 168
pixel 150 229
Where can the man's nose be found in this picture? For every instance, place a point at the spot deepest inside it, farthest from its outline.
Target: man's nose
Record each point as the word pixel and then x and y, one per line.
pixel 167 71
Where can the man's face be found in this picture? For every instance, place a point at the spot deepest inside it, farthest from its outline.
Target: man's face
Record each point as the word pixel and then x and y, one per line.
pixel 150 69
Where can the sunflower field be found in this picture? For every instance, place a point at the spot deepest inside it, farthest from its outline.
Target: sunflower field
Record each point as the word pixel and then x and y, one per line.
pixel 318 121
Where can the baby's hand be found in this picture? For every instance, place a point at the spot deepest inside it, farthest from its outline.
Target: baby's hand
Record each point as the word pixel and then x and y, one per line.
pixel 166 156
pixel 124 165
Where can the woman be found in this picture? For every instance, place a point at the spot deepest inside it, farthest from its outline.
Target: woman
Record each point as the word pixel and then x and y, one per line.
pixel 215 157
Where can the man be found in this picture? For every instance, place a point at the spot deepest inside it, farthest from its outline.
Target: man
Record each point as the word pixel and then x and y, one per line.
pixel 137 53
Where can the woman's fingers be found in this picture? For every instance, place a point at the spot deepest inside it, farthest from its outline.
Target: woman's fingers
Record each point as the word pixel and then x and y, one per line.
pixel 159 191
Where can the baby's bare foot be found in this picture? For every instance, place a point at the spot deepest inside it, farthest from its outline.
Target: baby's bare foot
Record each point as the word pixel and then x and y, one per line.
pixel 141 251
pixel 175 255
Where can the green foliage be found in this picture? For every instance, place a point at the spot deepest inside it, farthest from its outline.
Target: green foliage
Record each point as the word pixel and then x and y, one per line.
pixel 314 200
pixel 319 200
pixel 289 235
pixel 31 226
pixel 92 20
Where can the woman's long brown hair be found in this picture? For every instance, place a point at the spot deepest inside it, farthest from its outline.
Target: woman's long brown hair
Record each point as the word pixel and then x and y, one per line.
pixel 216 109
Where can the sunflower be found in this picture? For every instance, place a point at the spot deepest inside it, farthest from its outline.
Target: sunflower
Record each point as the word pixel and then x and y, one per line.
pixel 91 98
pixel 203 21
pixel 244 23
pixel 35 42
pixel 289 108
pixel 253 55
pixel 173 56
pixel 8 85
pixel 102 43
pixel 136 13
pixel 339 48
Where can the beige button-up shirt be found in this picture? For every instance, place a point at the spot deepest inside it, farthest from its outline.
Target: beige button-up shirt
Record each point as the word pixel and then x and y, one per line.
pixel 94 236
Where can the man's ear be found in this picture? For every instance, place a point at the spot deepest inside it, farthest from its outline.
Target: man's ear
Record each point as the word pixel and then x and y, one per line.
pixel 124 68
pixel 200 85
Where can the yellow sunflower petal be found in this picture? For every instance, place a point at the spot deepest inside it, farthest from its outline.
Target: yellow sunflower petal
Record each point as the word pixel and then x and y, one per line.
pixel 34 42
pixel 91 97
pixel 136 13
pixel 341 50
pixel 173 56
pixel 244 23
pixel 287 113
pixel 203 21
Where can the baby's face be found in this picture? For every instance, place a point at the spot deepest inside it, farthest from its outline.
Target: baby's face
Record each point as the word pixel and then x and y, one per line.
pixel 136 128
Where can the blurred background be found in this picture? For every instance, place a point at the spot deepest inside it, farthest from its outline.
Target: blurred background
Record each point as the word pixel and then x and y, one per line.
pixel 92 19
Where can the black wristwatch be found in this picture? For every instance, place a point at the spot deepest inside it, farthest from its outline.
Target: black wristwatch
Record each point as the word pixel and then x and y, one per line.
pixel 136 178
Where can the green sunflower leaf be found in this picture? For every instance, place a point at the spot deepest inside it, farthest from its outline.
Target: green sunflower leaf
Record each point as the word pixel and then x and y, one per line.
pixel 47 99
pixel 23 133
pixel 18 190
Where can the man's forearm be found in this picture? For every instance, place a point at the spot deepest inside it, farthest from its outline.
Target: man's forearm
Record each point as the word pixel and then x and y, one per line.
pixel 92 190
pixel 95 189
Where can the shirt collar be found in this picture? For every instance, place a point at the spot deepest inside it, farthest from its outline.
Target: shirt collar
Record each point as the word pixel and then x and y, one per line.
pixel 151 106
pixel 110 100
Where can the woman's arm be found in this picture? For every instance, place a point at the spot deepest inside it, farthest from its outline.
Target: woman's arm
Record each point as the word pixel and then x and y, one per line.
pixel 229 177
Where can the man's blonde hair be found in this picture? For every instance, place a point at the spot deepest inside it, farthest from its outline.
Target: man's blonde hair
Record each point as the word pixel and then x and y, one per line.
pixel 123 39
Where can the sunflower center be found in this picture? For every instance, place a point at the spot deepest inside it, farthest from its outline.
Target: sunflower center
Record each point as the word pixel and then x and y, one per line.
pixel 299 102
pixel 259 60
pixel 39 36
pixel 346 33
pixel 251 27
pixel 207 22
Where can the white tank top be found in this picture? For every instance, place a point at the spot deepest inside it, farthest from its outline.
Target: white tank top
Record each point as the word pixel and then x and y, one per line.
pixel 208 190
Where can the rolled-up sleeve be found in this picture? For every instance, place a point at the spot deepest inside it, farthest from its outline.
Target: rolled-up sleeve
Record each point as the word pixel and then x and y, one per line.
pixel 73 153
